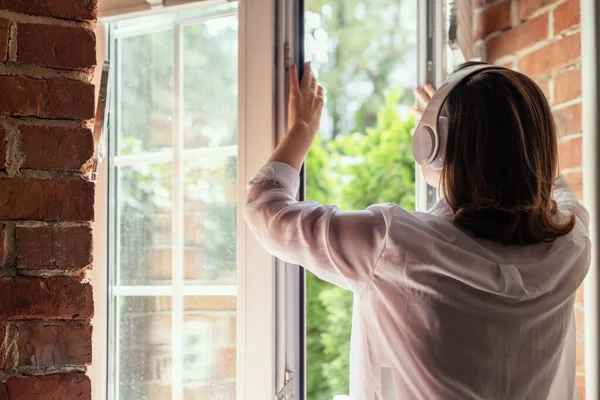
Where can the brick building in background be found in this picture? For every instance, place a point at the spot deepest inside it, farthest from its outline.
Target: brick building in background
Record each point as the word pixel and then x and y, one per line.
pixel 542 39
pixel 47 58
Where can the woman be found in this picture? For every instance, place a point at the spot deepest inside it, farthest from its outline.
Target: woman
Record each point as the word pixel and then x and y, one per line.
pixel 472 300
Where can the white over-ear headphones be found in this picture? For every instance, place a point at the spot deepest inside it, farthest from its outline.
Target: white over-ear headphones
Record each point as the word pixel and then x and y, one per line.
pixel 429 140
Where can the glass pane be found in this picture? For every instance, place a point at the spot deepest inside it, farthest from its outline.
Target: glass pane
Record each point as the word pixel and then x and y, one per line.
pixel 210 221
pixel 365 55
pixel 144 200
pixel 210 83
pixel 144 348
pixel 145 93
pixel 209 342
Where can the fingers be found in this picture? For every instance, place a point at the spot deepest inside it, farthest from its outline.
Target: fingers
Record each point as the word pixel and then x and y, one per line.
pixel 417 112
pixel 294 83
pixel 422 97
pixel 313 82
pixel 320 91
pixel 307 77
pixel 429 89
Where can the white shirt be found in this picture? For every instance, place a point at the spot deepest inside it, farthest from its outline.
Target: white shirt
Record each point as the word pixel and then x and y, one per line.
pixel 438 313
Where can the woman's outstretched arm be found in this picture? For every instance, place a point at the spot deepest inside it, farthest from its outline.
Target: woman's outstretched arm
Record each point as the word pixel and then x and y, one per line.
pixel 340 247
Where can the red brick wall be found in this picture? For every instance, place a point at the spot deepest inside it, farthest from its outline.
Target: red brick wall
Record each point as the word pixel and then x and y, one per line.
pixel 47 56
pixel 541 38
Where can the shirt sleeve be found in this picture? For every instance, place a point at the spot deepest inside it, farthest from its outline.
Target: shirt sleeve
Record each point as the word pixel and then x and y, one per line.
pixel 338 246
pixel 566 200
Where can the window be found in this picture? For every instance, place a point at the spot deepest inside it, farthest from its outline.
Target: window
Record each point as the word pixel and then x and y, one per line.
pixel 173 211
pixel 196 308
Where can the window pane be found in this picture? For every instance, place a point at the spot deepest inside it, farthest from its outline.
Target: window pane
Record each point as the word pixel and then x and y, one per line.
pixel 145 93
pixel 209 340
pixel 144 196
pixel 210 221
pixel 210 83
pixel 144 339
pixel 174 207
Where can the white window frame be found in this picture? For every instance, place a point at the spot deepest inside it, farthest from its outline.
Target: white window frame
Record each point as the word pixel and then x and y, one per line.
pixel 256 279
pixel 590 59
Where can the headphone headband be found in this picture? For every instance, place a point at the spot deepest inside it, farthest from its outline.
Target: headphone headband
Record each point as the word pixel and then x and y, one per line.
pixel 430 138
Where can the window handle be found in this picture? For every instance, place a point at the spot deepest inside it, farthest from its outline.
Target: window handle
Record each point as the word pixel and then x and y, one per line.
pixel 287 389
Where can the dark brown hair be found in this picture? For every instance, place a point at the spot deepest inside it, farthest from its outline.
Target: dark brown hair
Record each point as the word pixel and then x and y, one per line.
pixel 502 159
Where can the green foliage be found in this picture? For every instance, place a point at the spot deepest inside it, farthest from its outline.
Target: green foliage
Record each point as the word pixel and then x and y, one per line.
pixel 368 42
pixel 352 171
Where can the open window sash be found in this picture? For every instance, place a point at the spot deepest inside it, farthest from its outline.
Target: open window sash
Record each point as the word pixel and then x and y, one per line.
pixel 290 279
pixel 432 40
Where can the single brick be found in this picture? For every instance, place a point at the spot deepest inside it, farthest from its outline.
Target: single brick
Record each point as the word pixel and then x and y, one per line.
pixel 494 18
pixel 2 148
pixel 580 378
pixel 71 386
pixel 2 332
pixel 527 7
pixel 2 245
pixel 567 86
pixel 552 57
pixel 56 148
pixel 545 86
pixel 210 303
pixel 579 295
pixel 51 298
pixel 56 46
pixel 46 199
pixel 575 180
pixel 226 362
pixel 571 153
pixel 54 248
pixel 51 98
pixel 75 9
pixel 4 38
pixel 579 346
pixel 567 15
pixel 568 120
pixel 518 38
pixel 54 345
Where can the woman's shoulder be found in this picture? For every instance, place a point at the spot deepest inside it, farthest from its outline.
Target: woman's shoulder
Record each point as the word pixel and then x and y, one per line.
pixel 408 225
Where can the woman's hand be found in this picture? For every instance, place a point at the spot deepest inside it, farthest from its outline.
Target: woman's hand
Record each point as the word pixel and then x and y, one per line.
pixel 306 101
pixel 424 96
pixel 304 116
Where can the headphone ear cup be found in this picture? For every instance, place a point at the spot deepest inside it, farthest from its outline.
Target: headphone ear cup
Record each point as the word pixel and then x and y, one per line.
pixel 442 138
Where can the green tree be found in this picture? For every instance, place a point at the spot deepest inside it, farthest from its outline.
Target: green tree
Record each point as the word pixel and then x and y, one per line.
pixel 363 48
pixel 353 171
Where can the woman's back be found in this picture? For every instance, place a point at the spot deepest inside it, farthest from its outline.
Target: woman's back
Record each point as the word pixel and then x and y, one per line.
pixel 449 316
